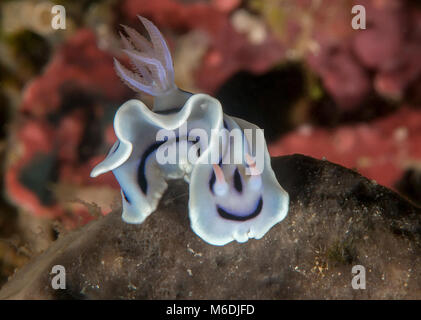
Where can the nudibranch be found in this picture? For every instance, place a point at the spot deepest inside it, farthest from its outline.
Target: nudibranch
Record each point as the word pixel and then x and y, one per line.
pixel 228 200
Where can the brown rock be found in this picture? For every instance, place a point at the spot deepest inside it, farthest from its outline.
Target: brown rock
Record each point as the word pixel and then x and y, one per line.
pixel 337 219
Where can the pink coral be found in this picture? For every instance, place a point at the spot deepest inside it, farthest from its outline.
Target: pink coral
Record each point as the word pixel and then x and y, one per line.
pixel 389 48
pixel 391 45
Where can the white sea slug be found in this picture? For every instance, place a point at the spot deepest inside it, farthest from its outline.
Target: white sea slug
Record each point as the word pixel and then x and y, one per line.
pixel 229 200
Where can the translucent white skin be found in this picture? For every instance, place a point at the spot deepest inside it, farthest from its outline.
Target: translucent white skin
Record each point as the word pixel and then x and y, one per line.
pixel 136 127
pixel 208 224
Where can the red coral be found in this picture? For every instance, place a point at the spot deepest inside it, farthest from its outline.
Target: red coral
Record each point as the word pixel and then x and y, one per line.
pixel 60 126
pixel 381 150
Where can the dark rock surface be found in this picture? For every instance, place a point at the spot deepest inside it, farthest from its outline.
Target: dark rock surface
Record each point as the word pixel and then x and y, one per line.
pixel 337 219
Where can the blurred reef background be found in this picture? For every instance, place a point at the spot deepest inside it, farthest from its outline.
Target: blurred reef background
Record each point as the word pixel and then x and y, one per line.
pixel 296 68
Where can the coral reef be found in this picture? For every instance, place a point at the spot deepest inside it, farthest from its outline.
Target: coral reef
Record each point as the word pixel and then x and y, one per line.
pixel 351 63
pixel 64 119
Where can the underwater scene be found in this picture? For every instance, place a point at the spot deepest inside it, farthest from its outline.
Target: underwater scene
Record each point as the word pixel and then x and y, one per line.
pixel 210 150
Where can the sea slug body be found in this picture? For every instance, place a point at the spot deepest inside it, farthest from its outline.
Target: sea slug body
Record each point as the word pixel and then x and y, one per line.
pixel 228 200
